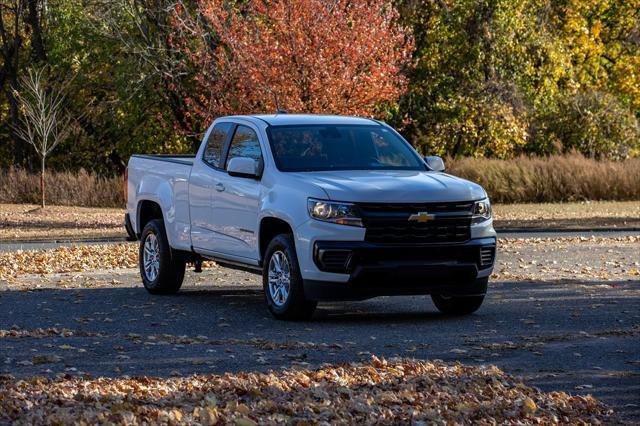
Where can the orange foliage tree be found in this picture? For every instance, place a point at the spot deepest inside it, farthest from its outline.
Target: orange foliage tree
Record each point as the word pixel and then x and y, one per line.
pixel 315 56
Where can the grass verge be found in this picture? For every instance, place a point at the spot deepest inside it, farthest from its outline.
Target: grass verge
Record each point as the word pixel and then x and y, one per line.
pixel 552 179
pixel 520 180
pixel 62 188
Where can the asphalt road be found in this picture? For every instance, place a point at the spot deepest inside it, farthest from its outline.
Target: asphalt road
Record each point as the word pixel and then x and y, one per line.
pixel 548 318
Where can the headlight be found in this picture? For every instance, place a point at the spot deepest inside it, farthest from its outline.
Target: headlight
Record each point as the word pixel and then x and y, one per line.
pixel 481 211
pixel 328 211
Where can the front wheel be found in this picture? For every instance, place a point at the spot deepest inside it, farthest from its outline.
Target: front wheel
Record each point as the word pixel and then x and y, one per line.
pixel 459 305
pixel 282 281
pixel 161 272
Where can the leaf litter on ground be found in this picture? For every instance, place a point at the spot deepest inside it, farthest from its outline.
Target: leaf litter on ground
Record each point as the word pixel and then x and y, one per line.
pixel 119 256
pixel 69 259
pixel 395 391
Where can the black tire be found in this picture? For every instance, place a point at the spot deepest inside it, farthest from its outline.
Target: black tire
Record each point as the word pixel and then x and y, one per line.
pixel 459 305
pixel 131 235
pixel 170 271
pixel 295 306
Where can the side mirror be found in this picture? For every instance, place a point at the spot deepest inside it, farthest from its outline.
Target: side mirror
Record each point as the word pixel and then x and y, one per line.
pixel 435 163
pixel 244 167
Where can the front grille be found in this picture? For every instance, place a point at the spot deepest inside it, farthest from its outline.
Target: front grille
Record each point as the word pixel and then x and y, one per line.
pixel 443 222
pixel 486 256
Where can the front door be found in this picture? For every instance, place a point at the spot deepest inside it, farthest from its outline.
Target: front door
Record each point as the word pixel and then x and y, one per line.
pixel 205 177
pixel 236 201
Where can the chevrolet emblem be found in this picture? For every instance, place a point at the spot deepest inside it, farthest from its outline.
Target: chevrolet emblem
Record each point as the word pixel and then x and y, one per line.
pixel 422 217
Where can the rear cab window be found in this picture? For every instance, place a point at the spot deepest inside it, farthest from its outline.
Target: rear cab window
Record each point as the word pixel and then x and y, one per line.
pixel 212 154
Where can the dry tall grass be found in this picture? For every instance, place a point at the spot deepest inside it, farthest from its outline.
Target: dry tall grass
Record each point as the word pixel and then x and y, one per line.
pixel 552 179
pixel 62 188
pixel 520 180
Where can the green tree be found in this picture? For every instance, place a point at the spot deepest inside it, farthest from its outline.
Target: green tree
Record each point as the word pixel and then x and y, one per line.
pixel 494 77
pixel 122 98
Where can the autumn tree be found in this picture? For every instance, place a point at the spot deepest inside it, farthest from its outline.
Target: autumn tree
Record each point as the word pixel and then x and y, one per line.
pixel 484 78
pixel 144 28
pixel 314 56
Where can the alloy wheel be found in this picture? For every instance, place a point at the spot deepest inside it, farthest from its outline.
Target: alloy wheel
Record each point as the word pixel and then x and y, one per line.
pixel 279 278
pixel 151 257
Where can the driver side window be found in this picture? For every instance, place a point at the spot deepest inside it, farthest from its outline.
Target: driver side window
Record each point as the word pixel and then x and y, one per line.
pixel 244 144
pixel 386 153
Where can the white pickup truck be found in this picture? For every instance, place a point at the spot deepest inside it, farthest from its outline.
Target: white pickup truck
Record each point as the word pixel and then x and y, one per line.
pixel 324 207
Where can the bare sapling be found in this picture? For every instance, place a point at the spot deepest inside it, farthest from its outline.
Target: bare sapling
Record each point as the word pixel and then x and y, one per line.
pixel 43 123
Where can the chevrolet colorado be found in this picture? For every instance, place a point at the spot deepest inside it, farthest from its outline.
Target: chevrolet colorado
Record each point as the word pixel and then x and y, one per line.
pixel 324 207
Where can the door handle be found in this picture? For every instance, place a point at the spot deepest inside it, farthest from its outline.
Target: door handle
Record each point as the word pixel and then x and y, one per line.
pixel 219 187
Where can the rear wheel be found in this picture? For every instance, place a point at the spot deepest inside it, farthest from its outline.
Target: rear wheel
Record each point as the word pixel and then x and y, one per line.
pixel 459 305
pixel 131 235
pixel 282 281
pixel 161 272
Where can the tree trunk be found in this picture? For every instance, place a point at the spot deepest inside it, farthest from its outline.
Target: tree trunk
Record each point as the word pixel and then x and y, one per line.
pixel 42 183
pixel 14 117
pixel 37 44
pixel 10 43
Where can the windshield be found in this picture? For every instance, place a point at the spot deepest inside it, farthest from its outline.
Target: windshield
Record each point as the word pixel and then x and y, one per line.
pixel 340 147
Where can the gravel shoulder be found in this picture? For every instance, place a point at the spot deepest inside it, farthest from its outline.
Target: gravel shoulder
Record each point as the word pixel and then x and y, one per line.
pixel 561 313
pixel 22 222
pixel 609 215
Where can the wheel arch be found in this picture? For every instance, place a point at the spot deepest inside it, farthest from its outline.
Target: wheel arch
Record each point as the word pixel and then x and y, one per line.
pixel 147 211
pixel 270 227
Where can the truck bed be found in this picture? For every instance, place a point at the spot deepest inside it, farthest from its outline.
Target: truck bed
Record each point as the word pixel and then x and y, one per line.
pixel 163 179
pixel 186 159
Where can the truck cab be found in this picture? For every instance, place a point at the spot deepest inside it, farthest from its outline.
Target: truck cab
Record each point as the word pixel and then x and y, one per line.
pixel 324 207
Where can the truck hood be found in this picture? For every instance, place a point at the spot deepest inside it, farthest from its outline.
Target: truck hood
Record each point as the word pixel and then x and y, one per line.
pixel 392 186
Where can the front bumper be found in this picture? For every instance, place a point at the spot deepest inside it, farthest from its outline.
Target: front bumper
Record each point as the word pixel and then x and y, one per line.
pixel 384 269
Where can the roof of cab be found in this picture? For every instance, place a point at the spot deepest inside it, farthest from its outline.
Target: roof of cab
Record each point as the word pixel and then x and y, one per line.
pixel 302 119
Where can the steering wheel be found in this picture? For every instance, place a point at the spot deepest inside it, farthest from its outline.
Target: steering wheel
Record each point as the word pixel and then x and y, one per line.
pixel 373 160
